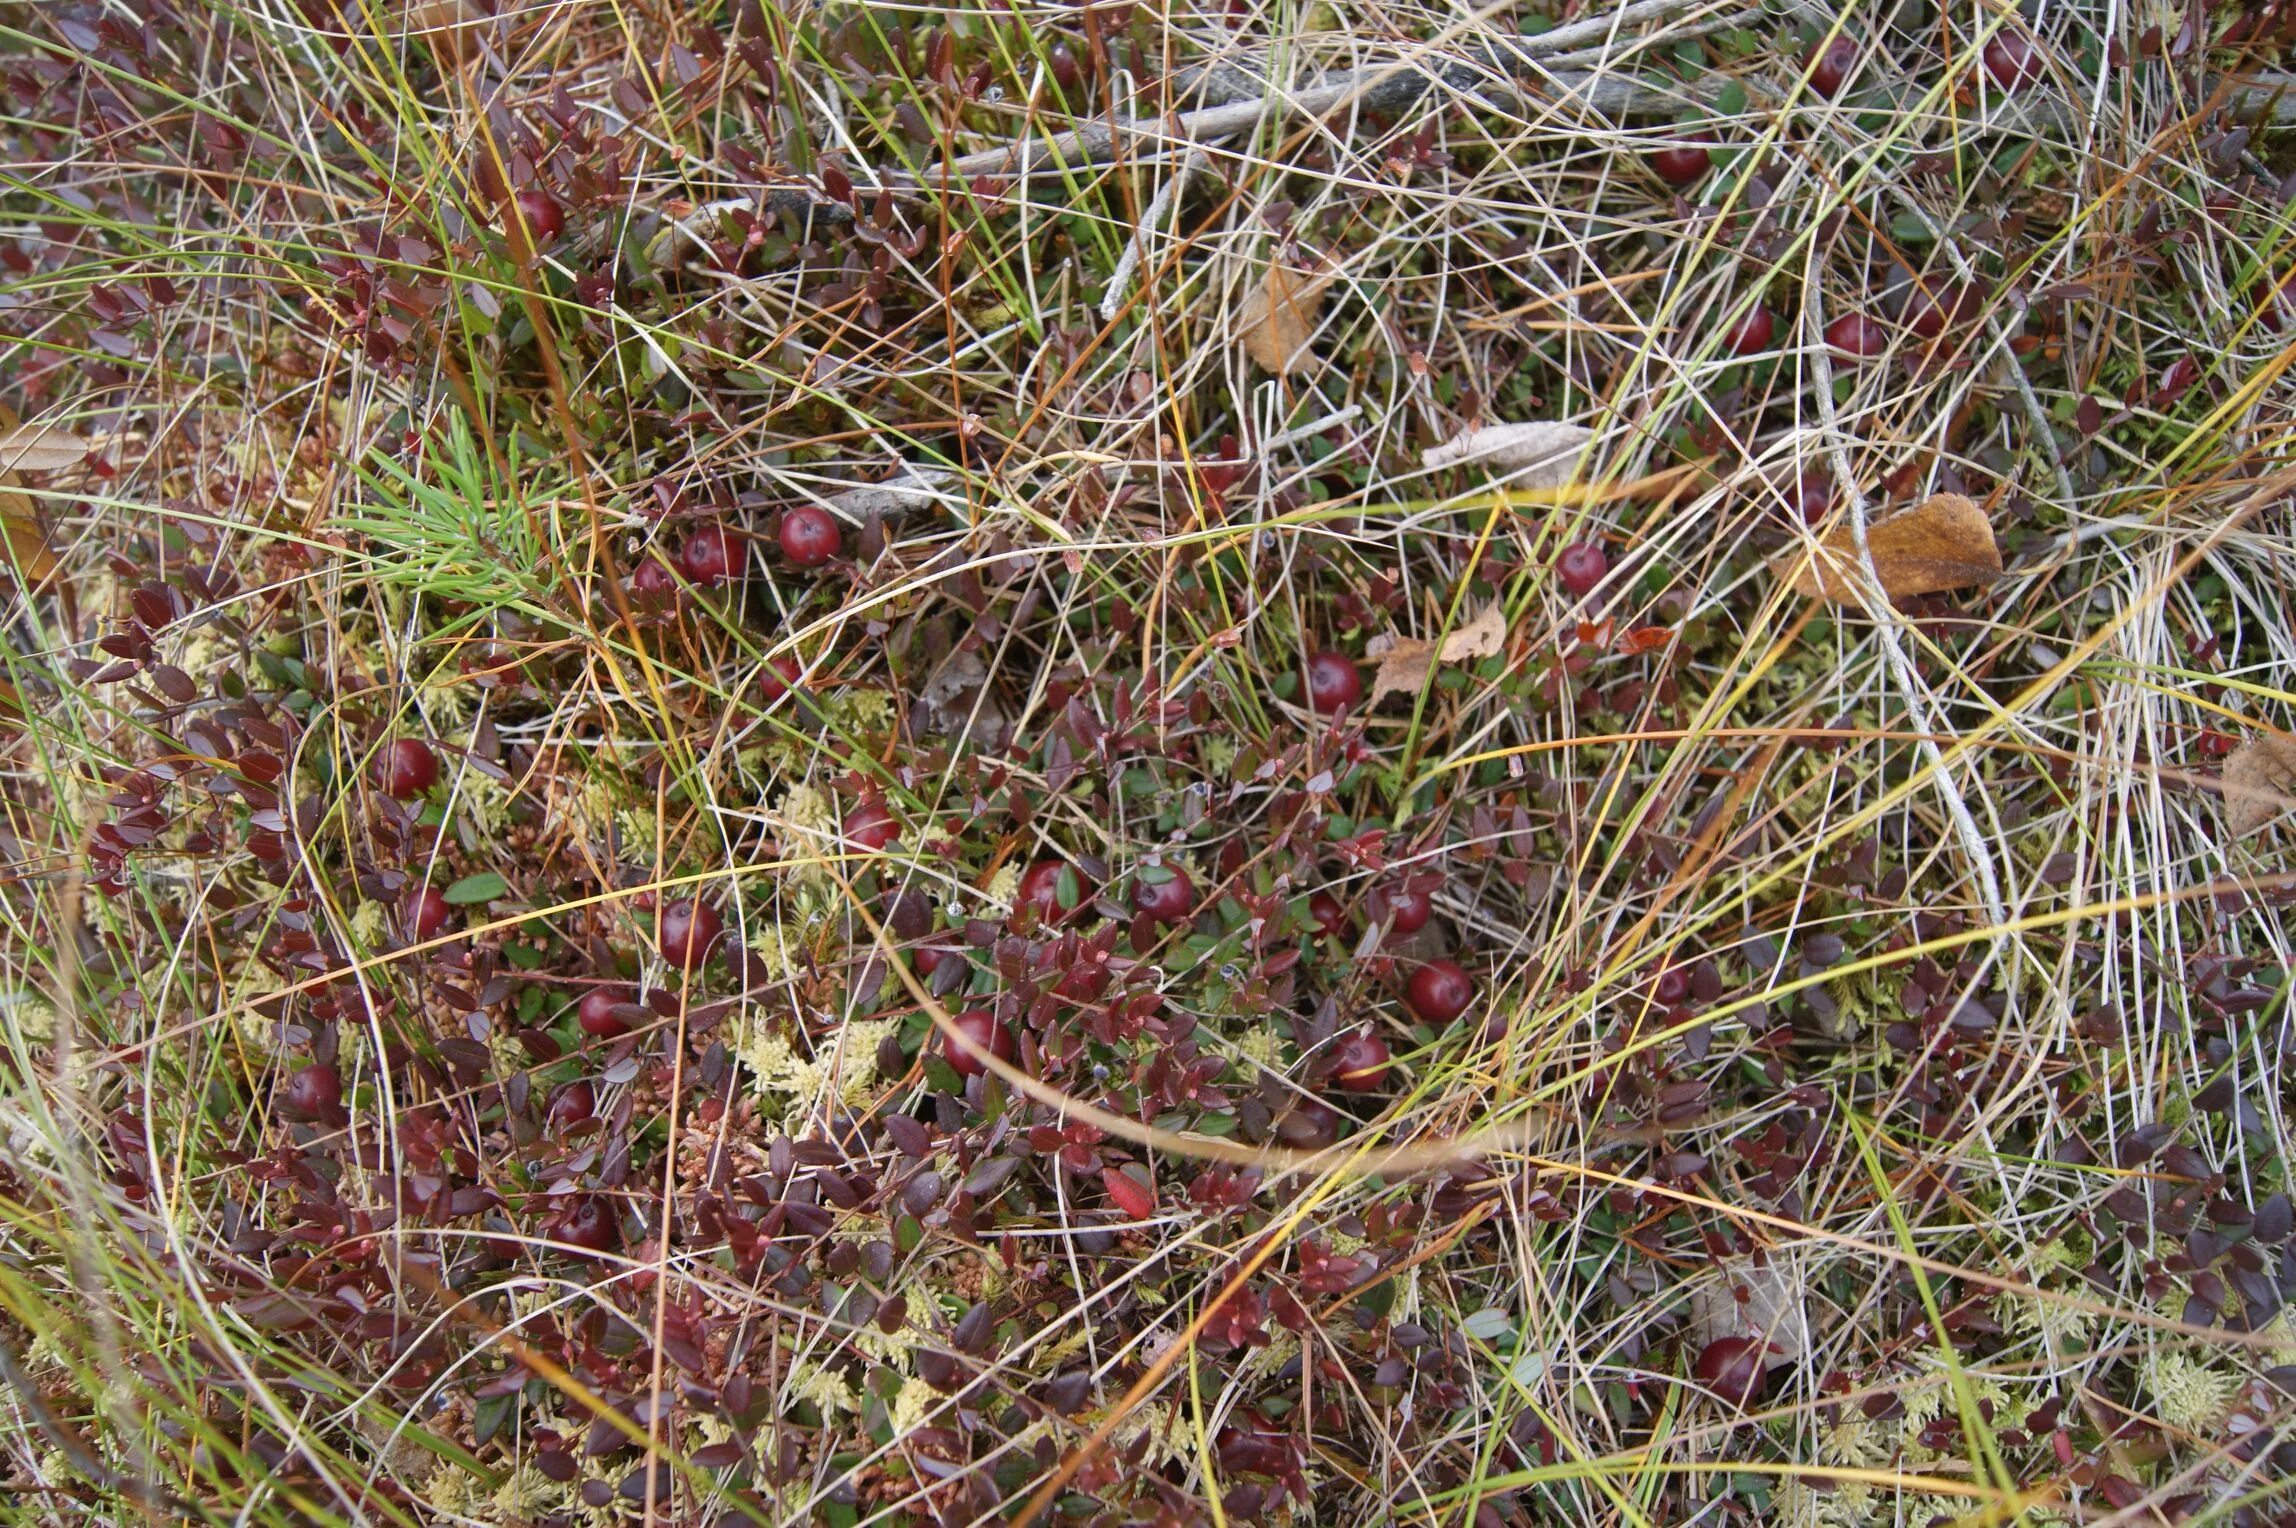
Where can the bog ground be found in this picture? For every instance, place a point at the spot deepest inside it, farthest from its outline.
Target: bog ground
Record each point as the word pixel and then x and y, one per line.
pixel 1293 762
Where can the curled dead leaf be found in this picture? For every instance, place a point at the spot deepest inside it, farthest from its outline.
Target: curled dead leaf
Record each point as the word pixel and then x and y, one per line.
pixel 40 448
pixel 1278 318
pixel 1944 542
pixel 1404 663
pixel 1540 453
pixel 2259 782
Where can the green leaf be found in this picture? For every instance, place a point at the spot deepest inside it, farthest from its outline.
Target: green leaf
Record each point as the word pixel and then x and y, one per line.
pixel 1730 100
pixel 472 889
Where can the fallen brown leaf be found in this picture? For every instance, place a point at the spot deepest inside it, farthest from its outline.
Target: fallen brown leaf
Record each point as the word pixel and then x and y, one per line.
pixel 39 448
pixel 1944 542
pixel 1405 662
pixel 2259 780
pixel 1279 316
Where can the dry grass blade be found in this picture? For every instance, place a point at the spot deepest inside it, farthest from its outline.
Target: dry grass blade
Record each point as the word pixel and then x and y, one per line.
pixel 1945 542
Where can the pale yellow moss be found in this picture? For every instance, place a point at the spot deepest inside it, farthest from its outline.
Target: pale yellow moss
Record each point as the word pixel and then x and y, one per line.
pixel 203 650
pixel 1002 887
pixel 770 943
pixel 852 712
pixel 913 1406
pixel 1856 1441
pixel 528 1493
pixel 1166 1440
pixel 844 1066
pixel 370 925
pixel 486 799
pixel 1262 1050
pixel 596 803
pixel 825 1388
pixel 1218 752
pixel 445 707
pixel 30 1017
pixel 2063 1328
pixel 452 1489
pixel 2188 1394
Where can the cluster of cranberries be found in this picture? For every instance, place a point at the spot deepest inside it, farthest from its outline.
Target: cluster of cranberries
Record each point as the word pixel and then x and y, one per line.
pixel 713 555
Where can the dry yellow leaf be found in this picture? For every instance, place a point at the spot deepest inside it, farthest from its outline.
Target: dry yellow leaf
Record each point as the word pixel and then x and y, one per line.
pixel 2259 782
pixel 1279 316
pixel 1944 542
pixel 1405 663
pixel 40 448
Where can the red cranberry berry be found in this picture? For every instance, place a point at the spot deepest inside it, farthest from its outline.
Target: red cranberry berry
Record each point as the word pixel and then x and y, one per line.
pixel 315 1092
pixel 1363 1059
pixel 809 536
pixel 1682 163
pixel 571 1104
pixel 1754 333
pixel 1733 1367
pixel 653 583
pixel 1167 898
pixel 588 1223
pixel 982 1028
pixel 1581 567
pixel 1440 991
pixel 1329 915
pixel 596 1013
pixel 779 676
pixel 871 824
pixel 712 555
pixel 1407 910
pixel 2012 60
pixel 1672 986
pixel 539 212
pixel 1931 305
pixel 1857 337
pixel 427 913
pixel 1830 65
pixel 687 931
pixel 1333 683
pixel 1055 888
pixel 406 768
pixel 927 958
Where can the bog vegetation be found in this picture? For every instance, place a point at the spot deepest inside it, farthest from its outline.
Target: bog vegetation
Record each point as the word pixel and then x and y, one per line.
pixel 1281 761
